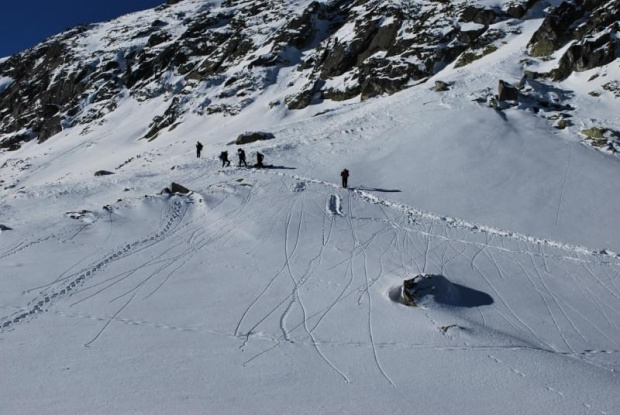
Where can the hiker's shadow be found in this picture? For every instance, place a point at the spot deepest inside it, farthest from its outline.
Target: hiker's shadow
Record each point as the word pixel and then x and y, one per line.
pixel 376 189
pixel 272 167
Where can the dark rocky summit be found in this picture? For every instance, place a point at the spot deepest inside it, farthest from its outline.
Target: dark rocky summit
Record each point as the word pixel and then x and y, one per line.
pixel 217 59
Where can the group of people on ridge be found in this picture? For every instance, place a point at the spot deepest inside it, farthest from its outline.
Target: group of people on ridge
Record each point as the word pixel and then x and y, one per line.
pixel 344 174
pixel 240 153
pixel 242 161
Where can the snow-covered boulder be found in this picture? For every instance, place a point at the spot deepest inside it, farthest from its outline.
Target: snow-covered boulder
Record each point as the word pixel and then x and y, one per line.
pixel 429 289
pixel 250 137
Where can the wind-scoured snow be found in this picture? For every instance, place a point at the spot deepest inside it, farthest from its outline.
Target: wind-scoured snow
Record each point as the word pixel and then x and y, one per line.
pixel 272 290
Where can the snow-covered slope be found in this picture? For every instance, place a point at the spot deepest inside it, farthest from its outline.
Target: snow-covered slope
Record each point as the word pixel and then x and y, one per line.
pixel 219 58
pixel 274 290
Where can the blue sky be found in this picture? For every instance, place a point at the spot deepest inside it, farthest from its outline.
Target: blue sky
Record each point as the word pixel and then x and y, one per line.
pixel 24 23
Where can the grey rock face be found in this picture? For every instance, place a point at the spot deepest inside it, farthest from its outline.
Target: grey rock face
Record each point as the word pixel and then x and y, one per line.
pixel 585 55
pixel 554 31
pixel 478 15
pixel 302 99
pixel 591 24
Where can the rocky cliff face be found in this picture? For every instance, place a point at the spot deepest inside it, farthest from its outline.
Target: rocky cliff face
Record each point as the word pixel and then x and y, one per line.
pixel 592 28
pixel 207 58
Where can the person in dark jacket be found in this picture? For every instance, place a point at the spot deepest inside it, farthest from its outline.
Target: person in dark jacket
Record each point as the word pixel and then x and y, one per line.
pixel 259 160
pixel 345 178
pixel 198 148
pixel 224 158
pixel 241 155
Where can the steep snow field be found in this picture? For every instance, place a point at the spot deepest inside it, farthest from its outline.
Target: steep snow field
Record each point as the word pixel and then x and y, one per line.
pixel 272 291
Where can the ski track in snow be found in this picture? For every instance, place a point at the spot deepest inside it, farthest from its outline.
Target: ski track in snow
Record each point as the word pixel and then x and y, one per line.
pixel 412 242
pixel 64 286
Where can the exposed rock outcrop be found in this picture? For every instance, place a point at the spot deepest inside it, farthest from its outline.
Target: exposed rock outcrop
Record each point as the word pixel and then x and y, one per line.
pixel 215 60
pixel 592 25
pixel 478 15
pixel 586 54
pixel 507 92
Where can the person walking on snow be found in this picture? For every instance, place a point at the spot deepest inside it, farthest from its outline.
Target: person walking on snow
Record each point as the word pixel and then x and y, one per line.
pixel 259 160
pixel 241 155
pixel 198 148
pixel 345 178
pixel 224 158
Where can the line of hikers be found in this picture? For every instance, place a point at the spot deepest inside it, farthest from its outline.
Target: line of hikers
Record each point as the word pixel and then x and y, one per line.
pixel 240 153
pixel 344 174
pixel 242 161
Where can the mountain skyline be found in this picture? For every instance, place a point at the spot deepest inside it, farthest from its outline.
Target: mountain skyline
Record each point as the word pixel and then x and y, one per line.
pixel 26 23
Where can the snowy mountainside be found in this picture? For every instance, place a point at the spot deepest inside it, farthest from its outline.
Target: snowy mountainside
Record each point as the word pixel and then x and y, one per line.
pixel 275 290
pixel 257 294
pixel 217 58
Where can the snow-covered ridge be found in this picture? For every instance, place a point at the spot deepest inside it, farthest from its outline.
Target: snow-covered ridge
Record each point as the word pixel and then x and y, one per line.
pixel 317 307
pixel 217 59
pixel 334 206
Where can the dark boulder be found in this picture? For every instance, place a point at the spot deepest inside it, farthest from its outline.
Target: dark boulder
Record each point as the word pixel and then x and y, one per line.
pixel 158 38
pixel 250 137
pixel 158 23
pixel 441 86
pixel 177 188
pixel 409 291
pixel 468 36
pixel 103 173
pixel 507 92
pixel 516 10
pixel 303 98
pixel 49 110
pixel 477 15
pixel 4 228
